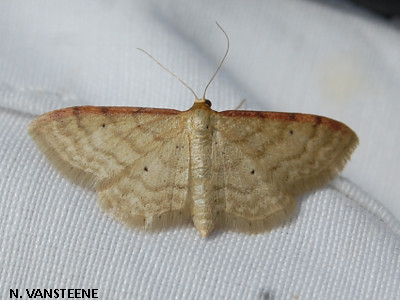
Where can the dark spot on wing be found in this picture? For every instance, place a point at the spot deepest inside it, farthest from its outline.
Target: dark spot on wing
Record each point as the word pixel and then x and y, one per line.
pixel 104 109
pixel 76 110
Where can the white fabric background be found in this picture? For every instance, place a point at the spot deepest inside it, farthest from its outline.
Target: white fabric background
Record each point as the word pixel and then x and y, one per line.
pixel 326 58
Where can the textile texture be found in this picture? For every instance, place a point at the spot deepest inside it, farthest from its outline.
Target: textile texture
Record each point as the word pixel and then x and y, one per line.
pixel 328 58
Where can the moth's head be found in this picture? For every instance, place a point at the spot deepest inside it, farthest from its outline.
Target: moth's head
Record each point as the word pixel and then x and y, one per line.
pixel 201 104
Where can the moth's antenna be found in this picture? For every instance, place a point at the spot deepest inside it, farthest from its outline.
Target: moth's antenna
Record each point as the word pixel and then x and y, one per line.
pixel 241 104
pixel 170 72
pixel 220 64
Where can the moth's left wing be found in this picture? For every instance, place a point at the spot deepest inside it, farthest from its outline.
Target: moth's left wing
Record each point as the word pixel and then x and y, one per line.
pixel 136 158
pixel 92 143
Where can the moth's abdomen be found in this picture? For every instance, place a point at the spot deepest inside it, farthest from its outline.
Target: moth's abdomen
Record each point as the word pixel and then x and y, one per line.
pixel 200 185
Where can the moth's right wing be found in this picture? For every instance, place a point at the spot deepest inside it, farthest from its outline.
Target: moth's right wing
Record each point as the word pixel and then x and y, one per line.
pixel 266 159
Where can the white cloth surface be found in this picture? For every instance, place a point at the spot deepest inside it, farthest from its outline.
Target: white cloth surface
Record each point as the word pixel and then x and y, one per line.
pixel 324 58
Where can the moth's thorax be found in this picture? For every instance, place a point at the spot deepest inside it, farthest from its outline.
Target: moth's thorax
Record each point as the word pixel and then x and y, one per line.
pixel 200 124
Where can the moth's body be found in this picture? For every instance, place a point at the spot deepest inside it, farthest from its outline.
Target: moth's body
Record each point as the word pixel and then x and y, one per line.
pixel 200 130
pixel 156 167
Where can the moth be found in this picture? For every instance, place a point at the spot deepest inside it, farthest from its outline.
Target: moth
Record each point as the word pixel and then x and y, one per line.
pixel 155 167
